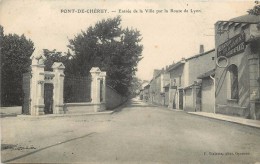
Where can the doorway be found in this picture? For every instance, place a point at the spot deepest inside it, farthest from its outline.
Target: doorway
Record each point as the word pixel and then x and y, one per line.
pixel 181 99
pixel 48 98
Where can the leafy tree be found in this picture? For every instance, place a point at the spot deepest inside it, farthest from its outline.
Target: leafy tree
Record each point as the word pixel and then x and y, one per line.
pixel 54 56
pixel 255 10
pixel 15 60
pixel 135 87
pixel 111 48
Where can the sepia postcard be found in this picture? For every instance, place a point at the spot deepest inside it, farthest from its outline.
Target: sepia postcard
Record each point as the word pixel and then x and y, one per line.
pixel 127 81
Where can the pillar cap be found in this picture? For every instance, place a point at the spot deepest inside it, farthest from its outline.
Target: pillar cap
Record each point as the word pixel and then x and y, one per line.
pixel 58 65
pixel 95 70
pixel 103 74
pixel 38 57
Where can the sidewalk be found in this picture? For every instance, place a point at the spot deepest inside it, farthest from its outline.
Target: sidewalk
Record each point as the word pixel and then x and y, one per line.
pixel 16 111
pixel 238 120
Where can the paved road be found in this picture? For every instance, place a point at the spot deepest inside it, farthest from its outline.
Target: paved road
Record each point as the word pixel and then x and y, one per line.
pixel 139 133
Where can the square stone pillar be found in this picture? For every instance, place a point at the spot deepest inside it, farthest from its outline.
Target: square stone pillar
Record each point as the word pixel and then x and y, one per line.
pixel 37 90
pixel 58 85
pixel 103 92
pixel 96 91
pixel 95 85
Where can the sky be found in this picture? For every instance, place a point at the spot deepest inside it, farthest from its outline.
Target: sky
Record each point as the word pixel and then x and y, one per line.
pixel 167 36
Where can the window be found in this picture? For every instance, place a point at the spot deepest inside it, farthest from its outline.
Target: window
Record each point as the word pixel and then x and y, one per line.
pixel 233 82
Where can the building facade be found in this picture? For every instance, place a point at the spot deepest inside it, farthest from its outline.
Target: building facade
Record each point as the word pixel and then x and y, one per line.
pixel 193 67
pixel 184 89
pixel 237 72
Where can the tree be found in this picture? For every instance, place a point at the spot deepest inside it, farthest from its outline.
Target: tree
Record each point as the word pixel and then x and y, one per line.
pixel 54 56
pixel 255 10
pixel 15 60
pixel 111 48
pixel 136 86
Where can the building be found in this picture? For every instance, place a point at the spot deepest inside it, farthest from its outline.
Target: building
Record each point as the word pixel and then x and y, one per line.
pixel 176 85
pixel 207 103
pixel 237 72
pixel 193 67
pixel 161 78
pixel 185 90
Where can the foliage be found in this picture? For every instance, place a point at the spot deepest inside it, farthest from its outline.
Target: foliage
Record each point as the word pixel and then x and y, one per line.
pixel 15 60
pixel 136 86
pixel 255 10
pixel 54 56
pixel 109 47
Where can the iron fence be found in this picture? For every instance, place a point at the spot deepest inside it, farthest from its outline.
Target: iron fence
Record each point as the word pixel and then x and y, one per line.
pixel 77 89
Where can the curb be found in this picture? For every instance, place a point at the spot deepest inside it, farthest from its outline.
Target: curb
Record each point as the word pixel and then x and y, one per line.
pixel 8 115
pixel 65 115
pixel 240 123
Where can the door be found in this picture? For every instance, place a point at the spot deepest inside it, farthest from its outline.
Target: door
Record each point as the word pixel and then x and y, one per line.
pixel 181 99
pixel 48 98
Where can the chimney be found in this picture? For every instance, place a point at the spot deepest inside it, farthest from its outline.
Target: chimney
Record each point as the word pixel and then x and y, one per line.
pixel 201 48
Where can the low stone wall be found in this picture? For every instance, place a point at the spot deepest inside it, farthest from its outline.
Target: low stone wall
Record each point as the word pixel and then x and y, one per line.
pixel 11 110
pixel 85 107
pixel 113 98
pixel 232 110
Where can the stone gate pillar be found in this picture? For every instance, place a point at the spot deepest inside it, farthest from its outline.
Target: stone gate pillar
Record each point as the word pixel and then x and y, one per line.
pixel 58 85
pixel 97 91
pixel 103 91
pixel 37 86
pixel 95 85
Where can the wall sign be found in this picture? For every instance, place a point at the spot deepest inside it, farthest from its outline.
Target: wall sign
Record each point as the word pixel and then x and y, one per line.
pixel 233 46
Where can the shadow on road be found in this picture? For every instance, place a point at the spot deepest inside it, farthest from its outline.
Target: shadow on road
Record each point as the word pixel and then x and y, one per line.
pixel 21 156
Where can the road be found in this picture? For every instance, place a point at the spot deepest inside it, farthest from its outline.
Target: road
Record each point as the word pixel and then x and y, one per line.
pixel 138 133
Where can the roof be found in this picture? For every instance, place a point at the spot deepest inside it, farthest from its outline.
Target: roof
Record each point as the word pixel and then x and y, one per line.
pixel 194 84
pixel 246 19
pixel 147 86
pixel 207 74
pixel 176 65
pixel 195 56
pixel 167 86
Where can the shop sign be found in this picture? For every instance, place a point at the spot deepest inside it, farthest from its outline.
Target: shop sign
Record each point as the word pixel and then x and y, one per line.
pixel 233 46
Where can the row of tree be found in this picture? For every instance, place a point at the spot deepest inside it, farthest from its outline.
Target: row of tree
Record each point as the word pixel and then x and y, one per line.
pixel 105 45
pixel 15 60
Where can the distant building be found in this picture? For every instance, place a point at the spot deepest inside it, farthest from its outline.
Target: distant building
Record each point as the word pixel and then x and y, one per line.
pixel 157 87
pixel 176 85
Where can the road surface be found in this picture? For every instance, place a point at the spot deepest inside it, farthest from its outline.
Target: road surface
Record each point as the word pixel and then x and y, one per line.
pixel 138 133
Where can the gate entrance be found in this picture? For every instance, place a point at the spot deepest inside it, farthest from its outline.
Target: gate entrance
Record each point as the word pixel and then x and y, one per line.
pixel 48 98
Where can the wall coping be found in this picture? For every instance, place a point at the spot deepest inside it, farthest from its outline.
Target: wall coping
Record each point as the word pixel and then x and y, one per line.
pixel 114 90
pixel 82 104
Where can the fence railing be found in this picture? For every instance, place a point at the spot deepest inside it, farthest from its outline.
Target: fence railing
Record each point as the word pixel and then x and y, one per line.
pixel 77 89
